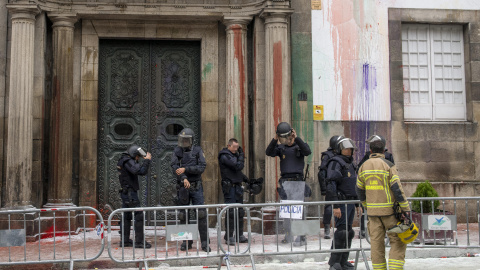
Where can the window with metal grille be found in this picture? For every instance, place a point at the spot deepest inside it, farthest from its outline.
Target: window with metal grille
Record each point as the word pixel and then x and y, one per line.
pixel 433 72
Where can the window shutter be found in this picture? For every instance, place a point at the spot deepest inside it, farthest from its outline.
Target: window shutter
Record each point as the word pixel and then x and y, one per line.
pixel 448 73
pixel 416 72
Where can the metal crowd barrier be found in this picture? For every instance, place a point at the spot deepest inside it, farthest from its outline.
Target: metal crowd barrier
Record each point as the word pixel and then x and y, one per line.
pixel 454 222
pixel 269 243
pixel 166 234
pixel 57 228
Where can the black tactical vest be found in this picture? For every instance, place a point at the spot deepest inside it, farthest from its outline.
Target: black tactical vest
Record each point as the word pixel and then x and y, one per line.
pixel 346 184
pixel 291 160
pixel 189 158
pixel 226 172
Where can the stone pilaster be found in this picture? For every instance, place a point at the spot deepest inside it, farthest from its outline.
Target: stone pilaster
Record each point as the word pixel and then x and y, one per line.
pixel 237 88
pixel 60 187
pixel 277 86
pixel 18 169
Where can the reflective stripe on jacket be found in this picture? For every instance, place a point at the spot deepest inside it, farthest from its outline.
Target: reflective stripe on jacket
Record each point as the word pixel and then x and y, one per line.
pixel 378 186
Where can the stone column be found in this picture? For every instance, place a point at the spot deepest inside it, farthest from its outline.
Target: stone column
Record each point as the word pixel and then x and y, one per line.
pixel 237 87
pixel 60 186
pixel 277 87
pixel 18 169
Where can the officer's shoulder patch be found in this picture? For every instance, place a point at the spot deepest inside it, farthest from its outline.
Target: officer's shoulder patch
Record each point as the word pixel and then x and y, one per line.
pixel 389 163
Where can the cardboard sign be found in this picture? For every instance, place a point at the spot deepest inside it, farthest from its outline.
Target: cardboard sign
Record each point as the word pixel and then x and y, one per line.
pixel 291 211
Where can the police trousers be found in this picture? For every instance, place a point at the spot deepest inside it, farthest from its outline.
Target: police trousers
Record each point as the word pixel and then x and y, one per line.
pixel 196 197
pixel 130 200
pixel 377 226
pixel 233 194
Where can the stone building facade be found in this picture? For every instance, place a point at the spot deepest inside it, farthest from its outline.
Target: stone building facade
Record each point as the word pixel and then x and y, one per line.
pixel 82 80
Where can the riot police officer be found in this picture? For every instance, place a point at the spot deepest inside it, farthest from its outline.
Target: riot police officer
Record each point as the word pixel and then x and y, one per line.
pixel 341 182
pixel 388 156
pixel 292 151
pixel 188 163
pixel 322 175
pixel 231 161
pixel 129 169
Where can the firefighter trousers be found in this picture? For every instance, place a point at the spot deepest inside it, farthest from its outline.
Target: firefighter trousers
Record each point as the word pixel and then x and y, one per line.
pixel 377 226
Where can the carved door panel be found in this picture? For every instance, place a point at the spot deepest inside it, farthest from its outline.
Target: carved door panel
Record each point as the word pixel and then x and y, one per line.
pixel 148 91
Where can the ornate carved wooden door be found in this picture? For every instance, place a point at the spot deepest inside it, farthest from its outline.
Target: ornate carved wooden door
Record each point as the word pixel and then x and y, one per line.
pixel 148 92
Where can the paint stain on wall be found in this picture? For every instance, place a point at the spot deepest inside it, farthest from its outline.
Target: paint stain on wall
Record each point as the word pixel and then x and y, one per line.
pixel 207 68
pixel 238 54
pixel 277 82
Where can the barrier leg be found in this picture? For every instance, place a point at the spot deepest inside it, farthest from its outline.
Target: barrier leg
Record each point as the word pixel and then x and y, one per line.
pixel 143 264
pixel 356 259
pixel 227 260
pixel 71 265
pixel 220 263
pixel 253 262
pixel 365 260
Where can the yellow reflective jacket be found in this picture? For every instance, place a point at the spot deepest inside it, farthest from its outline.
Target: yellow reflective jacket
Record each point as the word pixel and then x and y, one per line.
pixel 378 186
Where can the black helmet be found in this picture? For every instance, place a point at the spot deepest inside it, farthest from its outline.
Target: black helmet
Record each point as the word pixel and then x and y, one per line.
pixel 135 150
pixel 345 143
pixel 255 186
pixel 374 138
pixel 334 140
pixel 185 138
pixel 284 130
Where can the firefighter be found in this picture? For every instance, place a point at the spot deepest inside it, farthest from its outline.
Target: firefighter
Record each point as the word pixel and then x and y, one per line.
pixel 379 188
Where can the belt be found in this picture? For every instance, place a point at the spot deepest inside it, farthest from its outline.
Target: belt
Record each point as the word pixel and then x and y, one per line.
pixel 195 185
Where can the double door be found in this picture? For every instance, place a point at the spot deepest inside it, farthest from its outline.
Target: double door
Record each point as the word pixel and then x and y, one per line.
pixel 148 92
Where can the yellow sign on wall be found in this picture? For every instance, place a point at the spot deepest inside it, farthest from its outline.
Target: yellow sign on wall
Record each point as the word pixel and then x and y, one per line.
pixel 316 4
pixel 318 112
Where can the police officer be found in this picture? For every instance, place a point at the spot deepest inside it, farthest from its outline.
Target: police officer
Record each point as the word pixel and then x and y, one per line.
pixel 388 156
pixel 188 163
pixel 292 151
pixel 378 187
pixel 231 161
pixel 341 181
pixel 322 175
pixel 129 168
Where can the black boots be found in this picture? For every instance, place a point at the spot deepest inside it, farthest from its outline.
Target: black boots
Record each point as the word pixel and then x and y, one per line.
pixel 327 231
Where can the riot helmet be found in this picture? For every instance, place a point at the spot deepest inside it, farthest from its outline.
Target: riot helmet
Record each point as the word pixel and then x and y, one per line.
pixel 135 150
pixel 284 130
pixel 185 138
pixel 255 186
pixel 334 140
pixel 345 143
pixel 374 138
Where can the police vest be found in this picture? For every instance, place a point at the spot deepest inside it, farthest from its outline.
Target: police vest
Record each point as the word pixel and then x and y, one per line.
pixel 291 160
pixel 226 172
pixel 189 158
pixel 127 179
pixel 346 184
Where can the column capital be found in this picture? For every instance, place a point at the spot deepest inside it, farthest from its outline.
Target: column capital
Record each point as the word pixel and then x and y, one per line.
pixel 276 15
pixel 23 11
pixel 231 21
pixel 63 19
